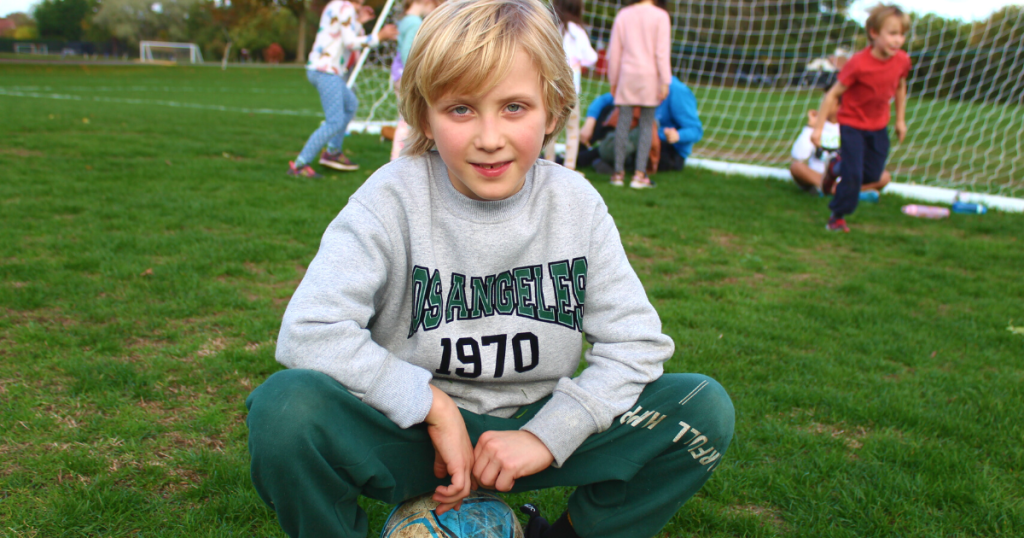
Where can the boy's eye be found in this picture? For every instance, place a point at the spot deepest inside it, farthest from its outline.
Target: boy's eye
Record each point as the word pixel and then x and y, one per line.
pixel 514 107
pixel 460 110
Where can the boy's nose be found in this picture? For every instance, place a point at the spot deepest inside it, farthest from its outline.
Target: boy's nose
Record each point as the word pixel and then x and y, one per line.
pixel 489 137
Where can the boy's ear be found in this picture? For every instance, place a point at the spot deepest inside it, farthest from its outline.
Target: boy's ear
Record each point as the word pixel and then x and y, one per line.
pixel 552 122
pixel 426 130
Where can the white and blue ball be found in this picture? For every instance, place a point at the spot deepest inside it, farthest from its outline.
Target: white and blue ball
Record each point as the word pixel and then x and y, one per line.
pixel 482 516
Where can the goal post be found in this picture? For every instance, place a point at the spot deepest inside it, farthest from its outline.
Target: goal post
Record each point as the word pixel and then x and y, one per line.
pixel 155 51
pixel 758 66
pixel 31 48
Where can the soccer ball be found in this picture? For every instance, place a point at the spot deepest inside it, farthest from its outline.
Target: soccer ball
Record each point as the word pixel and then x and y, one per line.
pixel 482 516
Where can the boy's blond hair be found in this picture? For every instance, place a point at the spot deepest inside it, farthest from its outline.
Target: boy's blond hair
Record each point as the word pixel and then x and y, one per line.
pixel 468 46
pixel 880 13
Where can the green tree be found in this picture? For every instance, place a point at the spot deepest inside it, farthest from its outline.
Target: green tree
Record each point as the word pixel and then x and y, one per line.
pixel 61 19
pixel 137 20
pixel 299 8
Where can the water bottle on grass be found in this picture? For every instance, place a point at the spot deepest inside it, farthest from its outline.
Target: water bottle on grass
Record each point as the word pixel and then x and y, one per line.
pixel 925 211
pixel 968 208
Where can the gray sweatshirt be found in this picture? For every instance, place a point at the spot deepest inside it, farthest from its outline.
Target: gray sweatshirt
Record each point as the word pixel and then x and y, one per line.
pixel 415 283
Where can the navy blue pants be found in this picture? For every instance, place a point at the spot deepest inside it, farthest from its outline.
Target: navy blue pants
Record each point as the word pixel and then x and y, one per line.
pixel 862 156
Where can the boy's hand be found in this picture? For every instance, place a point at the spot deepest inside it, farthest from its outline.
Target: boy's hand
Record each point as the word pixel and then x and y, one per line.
pixel 816 138
pixel 453 451
pixel 502 457
pixel 812 116
pixel 388 32
pixel 587 132
pixel 901 130
pixel 671 135
pixel 365 14
pixel 662 92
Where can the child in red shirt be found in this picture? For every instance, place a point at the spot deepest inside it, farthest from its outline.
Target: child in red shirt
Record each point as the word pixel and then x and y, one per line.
pixel 867 83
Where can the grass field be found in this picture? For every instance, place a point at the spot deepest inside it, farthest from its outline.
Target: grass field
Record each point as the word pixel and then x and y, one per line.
pixel 147 253
pixel 965 146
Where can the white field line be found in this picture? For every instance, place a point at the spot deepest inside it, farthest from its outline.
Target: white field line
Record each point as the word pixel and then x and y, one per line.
pixel 914 192
pixel 166 89
pixel 160 102
pixel 370 127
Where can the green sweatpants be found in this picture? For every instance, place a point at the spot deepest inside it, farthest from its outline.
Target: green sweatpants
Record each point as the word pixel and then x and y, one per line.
pixel 316 448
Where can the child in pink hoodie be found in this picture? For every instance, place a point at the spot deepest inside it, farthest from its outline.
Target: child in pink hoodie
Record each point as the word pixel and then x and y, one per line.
pixel 639 73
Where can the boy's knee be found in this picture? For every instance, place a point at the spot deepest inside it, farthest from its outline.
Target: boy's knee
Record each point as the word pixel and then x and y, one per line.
pixel 721 412
pixel 284 409
pixel 711 403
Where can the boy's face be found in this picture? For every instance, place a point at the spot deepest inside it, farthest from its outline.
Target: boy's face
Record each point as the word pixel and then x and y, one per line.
pixel 489 141
pixel 889 39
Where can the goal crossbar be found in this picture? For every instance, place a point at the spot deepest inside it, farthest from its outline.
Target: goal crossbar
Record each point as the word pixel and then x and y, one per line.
pixel 146 50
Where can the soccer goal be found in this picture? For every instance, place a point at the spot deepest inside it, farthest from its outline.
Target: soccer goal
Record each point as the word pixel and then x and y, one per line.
pixel 31 48
pixel 157 51
pixel 758 66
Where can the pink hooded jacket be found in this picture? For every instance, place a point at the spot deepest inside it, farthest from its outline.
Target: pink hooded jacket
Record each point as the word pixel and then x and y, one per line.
pixel 638 55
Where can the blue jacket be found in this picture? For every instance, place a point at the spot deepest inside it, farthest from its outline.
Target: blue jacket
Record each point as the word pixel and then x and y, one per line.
pixel 678 111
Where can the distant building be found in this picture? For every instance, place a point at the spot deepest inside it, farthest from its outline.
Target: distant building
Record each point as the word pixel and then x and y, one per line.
pixel 7 25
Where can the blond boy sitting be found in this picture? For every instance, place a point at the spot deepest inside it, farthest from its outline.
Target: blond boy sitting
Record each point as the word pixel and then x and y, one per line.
pixel 433 342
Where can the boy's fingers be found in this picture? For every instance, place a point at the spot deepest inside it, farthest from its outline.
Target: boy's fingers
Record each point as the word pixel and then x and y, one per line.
pixel 488 474
pixel 505 481
pixel 440 469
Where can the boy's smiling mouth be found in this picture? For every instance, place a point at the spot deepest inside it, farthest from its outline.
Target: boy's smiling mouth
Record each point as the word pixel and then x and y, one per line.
pixel 492 169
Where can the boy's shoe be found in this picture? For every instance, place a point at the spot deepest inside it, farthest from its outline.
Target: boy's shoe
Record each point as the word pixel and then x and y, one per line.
pixel 869 196
pixel 537 526
pixel 337 161
pixel 641 182
pixel 305 171
pixel 837 225
pixel 828 182
pixel 618 179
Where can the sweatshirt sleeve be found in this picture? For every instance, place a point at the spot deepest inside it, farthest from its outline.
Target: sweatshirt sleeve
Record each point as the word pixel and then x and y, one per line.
pixel 663 49
pixel 352 39
pixel 627 354
pixel 582 51
pixel 325 327
pixel 684 112
pixel 615 52
pixel 603 101
pixel 407 28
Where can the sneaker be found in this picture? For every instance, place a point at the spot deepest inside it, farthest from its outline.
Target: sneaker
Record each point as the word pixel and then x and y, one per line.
pixel 837 225
pixel 305 171
pixel 828 182
pixel 869 196
pixel 537 526
pixel 337 161
pixel 641 182
pixel 618 179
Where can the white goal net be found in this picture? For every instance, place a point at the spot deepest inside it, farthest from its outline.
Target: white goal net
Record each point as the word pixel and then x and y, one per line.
pixel 758 66
pixel 163 51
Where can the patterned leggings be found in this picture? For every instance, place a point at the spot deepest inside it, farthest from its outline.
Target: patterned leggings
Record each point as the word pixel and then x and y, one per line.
pixel 643 146
pixel 340 106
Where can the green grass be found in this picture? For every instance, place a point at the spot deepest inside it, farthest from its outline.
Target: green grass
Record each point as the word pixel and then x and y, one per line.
pixel 965 146
pixel 147 255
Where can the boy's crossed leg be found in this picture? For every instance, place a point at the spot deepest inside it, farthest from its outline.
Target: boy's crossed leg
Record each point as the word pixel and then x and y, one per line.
pixel 315 448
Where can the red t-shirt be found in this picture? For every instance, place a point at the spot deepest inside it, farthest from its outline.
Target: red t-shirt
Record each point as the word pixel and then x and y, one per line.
pixel 871 84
